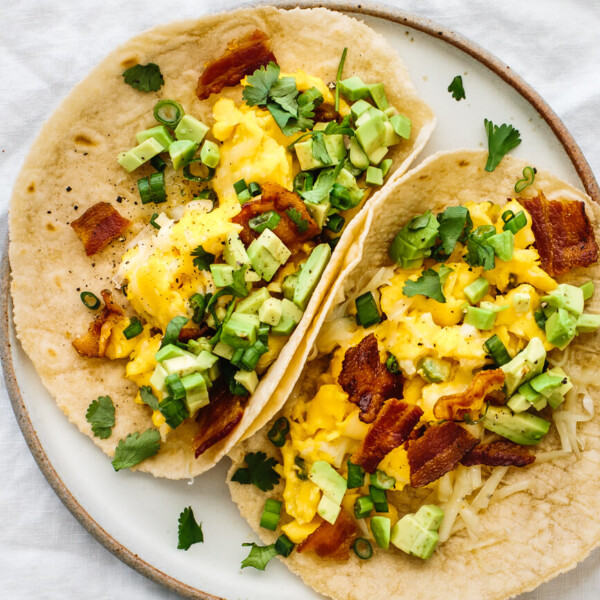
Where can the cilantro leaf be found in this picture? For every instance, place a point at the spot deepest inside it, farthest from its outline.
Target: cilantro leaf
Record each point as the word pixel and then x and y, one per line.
pixel 428 284
pixel 296 216
pixel 135 448
pixel 174 327
pixel 259 471
pixel 479 253
pixel 148 397
pixel 455 225
pixel 259 85
pixel 322 188
pixel 501 140
pixel 342 128
pixel 284 93
pixel 189 531
pixel 259 556
pixel 319 150
pixel 101 416
pixel 456 88
pixel 202 259
pixel 146 78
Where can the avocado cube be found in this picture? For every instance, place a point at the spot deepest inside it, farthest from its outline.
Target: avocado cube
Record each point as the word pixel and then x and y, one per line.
pixel 328 509
pixel 357 155
pixel 480 318
pixel 568 297
pixel 210 155
pixel 374 176
pixel 181 365
pixel 234 252
pixel 262 261
pixel 430 517
pixel 278 250
pixel 402 125
pixel 518 403
pixel 369 114
pixel 270 312
pixel 284 327
pixel 588 323
pixel 223 350
pixel 385 166
pixel 289 285
pixel 240 330
pixel 137 156
pixel 377 92
pixel 371 134
pixel 321 126
pixel 318 212
pixel 196 395
pixel 326 478
pixel 205 360
pixel 335 147
pixel 521 303
pixel 377 155
pixel 311 274
pixel 169 351
pixel 252 303
pixel 522 428
pixel 358 108
pixel 411 537
pixel 587 289
pixel 290 310
pixel 475 291
pixel 160 133
pixel 391 137
pixel 190 128
pixel 222 274
pixel 546 383
pixel 561 328
pixel 524 366
pixel 157 381
pixel 381 528
pixel 354 88
pixel 305 157
pixel 182 153
pixel 249 379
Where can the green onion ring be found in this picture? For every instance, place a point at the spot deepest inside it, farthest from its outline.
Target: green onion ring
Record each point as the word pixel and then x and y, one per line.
pixel 162 109
pixel 134 328
pixel 507 215
pixel 277 433
pixel 187 173
pixel 362 548
pixel 528 179
pixel 90 300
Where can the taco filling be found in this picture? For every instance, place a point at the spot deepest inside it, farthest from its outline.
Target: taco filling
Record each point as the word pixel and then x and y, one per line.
pixel 441 374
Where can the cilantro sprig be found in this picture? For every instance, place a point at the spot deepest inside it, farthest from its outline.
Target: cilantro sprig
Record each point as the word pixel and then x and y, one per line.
pixel 455 226
pixel 202 259
pixel 296 217
pixel 148 397
pixel 189 532
pixel 456 88
pixel 501 140
pixel 258 471
pixel 429 284
pixel 479 252
pixel 145 78
pixel 135 448
pixel 101 416
pixel 259 556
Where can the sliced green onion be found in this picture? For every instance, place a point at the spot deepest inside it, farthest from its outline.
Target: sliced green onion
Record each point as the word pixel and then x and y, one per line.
pixel 134 328
pixel 497 350
pixel 362 548
pixel 515 223
pixel 391 364
pixel 340 197
pixel 337 79
pixel 271 514
pixel 237 389
pixel 277 433
pixel 153 221
pixel 173 330
pixel 208 194
pixel 266 220
pixel 507 215
pixel 363 507
pixel 382 480
pixel 198 303
pixel 90 300
pixel 333 242
pixel 239 186
pixel 187 172
pixel 168 112
pixel 335 223
pixel 244 196
pixel 483 232
pixel 303 182
pixel 302 473
pixel 254 188
pixel 174 411
pixel 356 476
pixel 540 319
pixel 236 359
pixel 157 187
pixel 158 163
pixel 284 545
pixel 252 355
pixel 367 313
pixel 144 190
pixel 379 499
pixel 263 333
pixel 174 386
pixel 528 179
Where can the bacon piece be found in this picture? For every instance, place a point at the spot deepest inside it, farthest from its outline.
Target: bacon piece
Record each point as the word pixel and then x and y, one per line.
pixel 94 342
pixel 241 58
pixel 366 380
pixel 192 333
pixel 393 425
pixel 501 453
pixel 329 540
pixel 326 112
pixel 276 197
pixel 98 226
pixel 219 418
pixel 455 406
pixel 564 236
pixel 437 452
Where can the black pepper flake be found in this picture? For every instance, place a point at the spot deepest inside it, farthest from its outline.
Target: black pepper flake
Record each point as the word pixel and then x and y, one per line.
pixel 76 207
pixel 119 199
pixel 69 188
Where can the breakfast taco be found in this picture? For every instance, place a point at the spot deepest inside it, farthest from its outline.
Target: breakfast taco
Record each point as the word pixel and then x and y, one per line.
pixel 443 440
pixel 182 214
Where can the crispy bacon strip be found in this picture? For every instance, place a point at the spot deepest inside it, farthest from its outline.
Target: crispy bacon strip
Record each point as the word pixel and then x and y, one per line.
pixel 501 453
pixel 219 418
pixel 241 58
pixel 564 236
pixel 366 380
pixel 329 540
pixel 276 197
pixel 437 452
pixel 391 428
pixel 455 406
pixel 98 226
pixel 94 342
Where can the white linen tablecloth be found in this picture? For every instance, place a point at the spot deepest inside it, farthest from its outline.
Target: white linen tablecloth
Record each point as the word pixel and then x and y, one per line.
pixel 46 47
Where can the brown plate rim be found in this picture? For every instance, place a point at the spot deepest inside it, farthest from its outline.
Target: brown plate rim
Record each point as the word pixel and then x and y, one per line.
pixel 366 8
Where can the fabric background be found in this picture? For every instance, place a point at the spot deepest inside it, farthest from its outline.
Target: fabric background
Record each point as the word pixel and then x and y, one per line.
pixel 46 47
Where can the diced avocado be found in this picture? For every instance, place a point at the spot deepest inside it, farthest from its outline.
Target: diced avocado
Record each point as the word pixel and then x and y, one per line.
pixel 521 303
pixel 251 304
pixel 182 152
pixel 357 155
pixel 381 529
pixel 251 276
pixel 321 126
pixel 223 350
pixel 548 310
pixel 310 274
pixel 234 252
pixel 284 327
pixel 326 478
pixel 202 343
pixel 430 517
pixel 390 111
pixel 434 370
pixel 142 153
pixel 407 250
pixel 480 318
pixel 169 351
pixel 222 274
pixel 354 88
pixel 318 212
pixel 491 307
pixel 196 395
pixel 240 330
pixel 524 366
pixel 210 154
pixel 588 290
pixel 402 125
pixel 522 428
pixel 561 328
pixel 568 297
pixel 157 381
pixel 348 180
pixel 377 155
pixel 358 108
pixel 475 291
pixel 289 285
pixel 160 133
pixel 588 323
pixel 385 166
pixel 305 156
pixel 262 261
pixel 377 92
pixel 205 360
pixel 371 134
pixel 291 311
pixel 391 137
pixel 213 373
pixel 335 147
pixel 411 537
pixel 249 379
pixel 189 128
pixel 528 392
pixel 374 176
pixel 518 403
pixel 270 311
pixel 546 383
pixel 328 509
pixel 181 365
pixel 274 245
pixel 503 244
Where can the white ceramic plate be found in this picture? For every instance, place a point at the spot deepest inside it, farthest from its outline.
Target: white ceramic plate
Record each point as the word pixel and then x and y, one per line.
pixel 135 515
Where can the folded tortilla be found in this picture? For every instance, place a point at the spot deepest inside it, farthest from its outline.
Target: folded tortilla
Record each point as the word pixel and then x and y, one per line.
pixel 72 166
pixel 528 537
